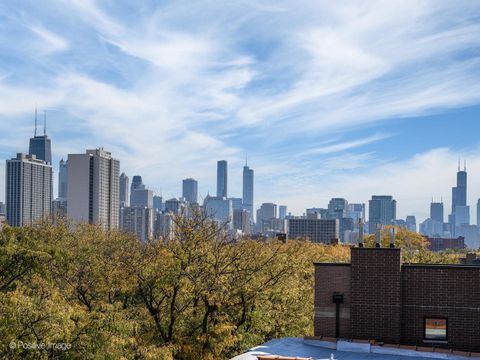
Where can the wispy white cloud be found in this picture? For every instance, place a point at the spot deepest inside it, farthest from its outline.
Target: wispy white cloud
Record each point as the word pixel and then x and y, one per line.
pixel 347 145
pixel 52 42
pixel 171 87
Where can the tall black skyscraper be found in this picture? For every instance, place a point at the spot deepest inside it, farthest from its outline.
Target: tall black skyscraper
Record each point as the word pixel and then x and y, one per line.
pixel 459 192
pixel 40 145
pixel 222 178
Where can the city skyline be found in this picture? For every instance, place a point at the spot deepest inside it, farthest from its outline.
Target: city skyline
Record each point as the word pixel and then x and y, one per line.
pixel 365 120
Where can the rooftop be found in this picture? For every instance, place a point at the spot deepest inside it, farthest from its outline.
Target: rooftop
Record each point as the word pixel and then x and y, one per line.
pixel 296 347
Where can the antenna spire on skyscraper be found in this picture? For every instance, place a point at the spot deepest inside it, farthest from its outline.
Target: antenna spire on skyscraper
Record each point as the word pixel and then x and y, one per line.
pixel 35 133
pixel 458 164
pixel 45 122
pixel 464 165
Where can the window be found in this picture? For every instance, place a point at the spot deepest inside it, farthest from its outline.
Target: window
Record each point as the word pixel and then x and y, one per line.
pixel 436 329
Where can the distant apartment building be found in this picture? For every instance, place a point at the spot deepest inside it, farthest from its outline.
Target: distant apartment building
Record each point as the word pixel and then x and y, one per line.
pixel 93 188
pixel 356 212
pixel 411 223
pixel 164 227
pixel 441 244
pixel 59 208
pixel 176 206
pixel 3 208
pixel 241 220
pixel 219 209
pixel 138 221
pixel 337 208
pixel 141 197
pixel 158 203
pixel 237 203
pixel 190 190
pixel 28 190
pixel 124 184
pixel 382 209
pixel 266 211
pixel 322 213
pixel 316 230
pixel 282 212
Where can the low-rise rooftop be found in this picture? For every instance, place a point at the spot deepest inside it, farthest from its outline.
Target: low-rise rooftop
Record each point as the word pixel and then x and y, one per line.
pixel 298 348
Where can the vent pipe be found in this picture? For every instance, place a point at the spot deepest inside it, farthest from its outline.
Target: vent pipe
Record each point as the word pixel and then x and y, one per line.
pixel 378 236
pixel 392 238
pixel 360 232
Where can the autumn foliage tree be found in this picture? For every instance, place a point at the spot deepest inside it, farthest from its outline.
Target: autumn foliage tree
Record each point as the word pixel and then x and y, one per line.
pixel 199 295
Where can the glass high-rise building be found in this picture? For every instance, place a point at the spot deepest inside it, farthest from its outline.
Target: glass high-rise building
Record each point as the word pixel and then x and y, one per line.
pixel 190 190
pixel 436 211
pixel 29 190
pixel 460 211
pixel 62 179
pixel 222 179
pixel 40 145
pixel 124 182
pixel 459 192
pixel 382 209
pixel 248 187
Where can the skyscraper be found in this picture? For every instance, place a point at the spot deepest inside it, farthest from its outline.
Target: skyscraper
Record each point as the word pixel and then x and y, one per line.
pixel 248 186
pixel 29 190
pixel 62 179
pixel 460 211
pixel 222 178
pixel 220 209
pixel 136 183
pixel 190 190
pixel 142 197
pixel 436 211
pixel 411 223
pixel 93 188
pixel 158 203
pixel 123 184
pixel 337 208
pixel 478 213
pixel 382 209
pixel 282 212
pixel 459 192
pixel 40 145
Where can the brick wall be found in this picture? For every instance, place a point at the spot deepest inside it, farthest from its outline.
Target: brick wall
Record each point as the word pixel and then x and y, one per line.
pixel 330 278
pixel 442 291
pixel 376 294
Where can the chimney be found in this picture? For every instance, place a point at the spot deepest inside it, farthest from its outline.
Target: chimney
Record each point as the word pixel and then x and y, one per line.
pixel 378 236
pixel 360 232
pixel 392 238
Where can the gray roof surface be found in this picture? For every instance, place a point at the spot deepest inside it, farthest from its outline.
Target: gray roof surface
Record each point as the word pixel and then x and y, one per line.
pixel 296 347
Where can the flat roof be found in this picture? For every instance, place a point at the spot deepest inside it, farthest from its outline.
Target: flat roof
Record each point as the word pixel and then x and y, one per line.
pixel 295 347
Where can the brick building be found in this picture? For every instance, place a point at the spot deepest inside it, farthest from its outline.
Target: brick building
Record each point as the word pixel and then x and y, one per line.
pixel 440 244
pixel 376 297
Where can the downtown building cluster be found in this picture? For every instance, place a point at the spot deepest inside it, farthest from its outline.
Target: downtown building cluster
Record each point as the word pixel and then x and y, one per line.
pixel 92 189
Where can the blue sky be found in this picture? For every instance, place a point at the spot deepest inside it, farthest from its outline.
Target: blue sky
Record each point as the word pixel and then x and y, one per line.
pixel 327 98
